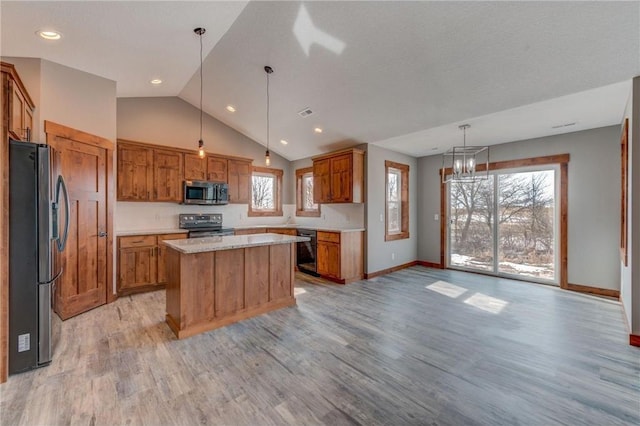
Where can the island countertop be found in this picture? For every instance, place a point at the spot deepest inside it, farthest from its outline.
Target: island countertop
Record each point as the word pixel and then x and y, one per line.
pixel 229 242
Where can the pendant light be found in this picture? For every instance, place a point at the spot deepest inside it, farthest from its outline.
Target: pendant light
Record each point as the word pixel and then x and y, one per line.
pixel 200 32
pixel 459 164
pixel 267 157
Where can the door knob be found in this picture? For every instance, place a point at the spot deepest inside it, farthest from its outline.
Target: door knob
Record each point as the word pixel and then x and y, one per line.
pixel 102 234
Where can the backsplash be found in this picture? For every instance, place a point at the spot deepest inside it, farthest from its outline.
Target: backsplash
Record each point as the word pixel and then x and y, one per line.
pixel 132 216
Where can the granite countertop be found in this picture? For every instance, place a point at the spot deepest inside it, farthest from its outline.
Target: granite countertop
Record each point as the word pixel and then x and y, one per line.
pixel 295 226
pixel 200 245
pixel 124 233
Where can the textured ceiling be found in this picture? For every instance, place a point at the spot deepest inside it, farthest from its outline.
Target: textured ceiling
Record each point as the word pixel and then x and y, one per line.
pixel 402 75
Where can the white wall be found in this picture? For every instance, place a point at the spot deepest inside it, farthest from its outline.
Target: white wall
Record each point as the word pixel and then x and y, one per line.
pixel 594 200
pixel 383 254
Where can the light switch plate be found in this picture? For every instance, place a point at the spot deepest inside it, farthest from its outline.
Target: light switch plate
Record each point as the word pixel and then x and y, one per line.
pixel 436 216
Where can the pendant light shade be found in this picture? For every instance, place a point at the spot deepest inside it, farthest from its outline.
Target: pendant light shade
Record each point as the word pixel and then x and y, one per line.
pixel 201 153
pixel 267 157
pixel 460 163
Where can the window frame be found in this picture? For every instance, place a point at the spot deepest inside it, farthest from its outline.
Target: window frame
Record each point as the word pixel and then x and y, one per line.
pixel 300 210
pixel 277 175
pixel 403 200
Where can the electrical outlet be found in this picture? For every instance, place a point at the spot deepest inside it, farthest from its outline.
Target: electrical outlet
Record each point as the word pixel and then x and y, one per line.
pixel 381 217
pixel 393 256
pixel 436 216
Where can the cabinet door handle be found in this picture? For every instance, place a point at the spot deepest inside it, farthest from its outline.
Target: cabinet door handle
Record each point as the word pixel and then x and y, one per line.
pixel 136 242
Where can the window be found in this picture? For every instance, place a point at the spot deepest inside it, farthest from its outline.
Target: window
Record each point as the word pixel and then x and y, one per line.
pixel 304 193
pixel 266 192
pixel 506 225
pixel 397 201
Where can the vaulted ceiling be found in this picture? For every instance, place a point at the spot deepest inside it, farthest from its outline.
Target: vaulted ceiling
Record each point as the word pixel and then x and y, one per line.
pixel 402 75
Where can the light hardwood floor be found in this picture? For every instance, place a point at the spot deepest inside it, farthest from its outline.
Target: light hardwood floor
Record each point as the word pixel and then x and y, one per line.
pixel 405 348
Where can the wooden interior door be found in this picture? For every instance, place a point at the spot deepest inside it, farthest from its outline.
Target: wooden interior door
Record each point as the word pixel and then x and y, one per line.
pixel 83 284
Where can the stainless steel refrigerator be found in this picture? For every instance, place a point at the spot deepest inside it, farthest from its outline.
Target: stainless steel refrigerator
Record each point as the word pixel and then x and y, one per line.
pixel 38 229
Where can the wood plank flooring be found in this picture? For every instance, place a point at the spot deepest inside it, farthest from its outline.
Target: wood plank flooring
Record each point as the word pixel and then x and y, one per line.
pixel 418 346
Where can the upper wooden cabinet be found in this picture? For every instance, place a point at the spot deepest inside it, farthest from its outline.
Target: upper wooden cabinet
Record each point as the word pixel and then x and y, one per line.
pixel 17 104
pixel 156 173
pixel 239 181
pixel 167 175
pixel 339 177
pixel 212 168
pixel 135 172
pixel 217 169
pixel 195 168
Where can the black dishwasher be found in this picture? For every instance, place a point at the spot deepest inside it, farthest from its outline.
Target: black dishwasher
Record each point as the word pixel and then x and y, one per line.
pixel 306 258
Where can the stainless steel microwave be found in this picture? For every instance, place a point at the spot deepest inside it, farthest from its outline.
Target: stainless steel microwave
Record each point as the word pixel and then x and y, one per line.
pixel 205 193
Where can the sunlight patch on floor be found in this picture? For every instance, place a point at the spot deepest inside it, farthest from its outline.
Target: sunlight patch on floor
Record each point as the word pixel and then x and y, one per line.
pixel 447 289
pixel 298 291
pixel 487 303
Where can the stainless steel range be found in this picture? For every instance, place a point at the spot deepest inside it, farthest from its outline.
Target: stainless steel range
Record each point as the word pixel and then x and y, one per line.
pixel 203 225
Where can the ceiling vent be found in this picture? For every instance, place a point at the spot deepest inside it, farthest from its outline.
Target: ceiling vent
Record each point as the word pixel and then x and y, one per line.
pixel 305 112
pixel 563 125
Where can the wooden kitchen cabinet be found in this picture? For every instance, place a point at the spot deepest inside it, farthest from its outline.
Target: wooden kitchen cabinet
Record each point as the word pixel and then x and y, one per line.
pixel 149 172
pixel 250 231
pixel 17 105
pixel 239 181
pixel 339 256
pixel 339 177
pixel 141 262
pixel 137 264
pixel 283 231
pixel 167 175
pixel 211 168
pixel 217 169
pixel 195 168
pixel 135 172
pixel 162 253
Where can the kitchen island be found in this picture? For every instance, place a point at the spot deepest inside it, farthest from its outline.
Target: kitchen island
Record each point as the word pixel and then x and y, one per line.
pixel 216 281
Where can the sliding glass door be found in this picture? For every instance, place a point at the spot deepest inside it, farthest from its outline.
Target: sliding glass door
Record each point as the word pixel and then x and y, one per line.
pixel 505 225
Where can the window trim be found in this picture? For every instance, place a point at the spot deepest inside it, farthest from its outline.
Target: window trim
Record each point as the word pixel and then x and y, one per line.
pixel 300 211
pixel 404 201
pixel 277 174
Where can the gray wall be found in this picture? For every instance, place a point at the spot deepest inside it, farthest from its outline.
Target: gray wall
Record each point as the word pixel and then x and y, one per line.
pixel 170 121
pixel 630 274
pixel 379 252
pixel 594 200
pixel 69 97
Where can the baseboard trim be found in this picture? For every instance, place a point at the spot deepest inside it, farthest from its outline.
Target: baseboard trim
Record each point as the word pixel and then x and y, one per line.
pixel 594 290
pixel 430 264
pixel 634 340
pixel 389 270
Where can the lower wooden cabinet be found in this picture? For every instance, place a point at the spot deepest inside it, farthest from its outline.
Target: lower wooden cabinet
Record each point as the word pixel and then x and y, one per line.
pixel 339 256
pixel 250 231
pixel 283 231
pixel 141 262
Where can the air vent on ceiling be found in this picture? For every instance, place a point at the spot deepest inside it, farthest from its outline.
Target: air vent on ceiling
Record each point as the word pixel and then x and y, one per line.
pixel 563 125
pixel 305 112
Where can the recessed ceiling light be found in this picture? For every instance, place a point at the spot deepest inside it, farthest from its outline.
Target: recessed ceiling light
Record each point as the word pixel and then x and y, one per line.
pixel 283 142
pixel 317 130
pixel 231 108
pixel 156 81
pixel 49 34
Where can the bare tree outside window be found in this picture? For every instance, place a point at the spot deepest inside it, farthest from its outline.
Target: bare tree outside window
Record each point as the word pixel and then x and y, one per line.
pixel 524 212
pixel 262 192
pixel 393 200
pixel 307 192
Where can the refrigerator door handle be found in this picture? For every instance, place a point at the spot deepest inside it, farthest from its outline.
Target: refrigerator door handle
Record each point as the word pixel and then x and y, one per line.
pixel 61 187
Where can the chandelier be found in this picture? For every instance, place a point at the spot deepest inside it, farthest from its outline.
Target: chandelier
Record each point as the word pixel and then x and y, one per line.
pixel 465 163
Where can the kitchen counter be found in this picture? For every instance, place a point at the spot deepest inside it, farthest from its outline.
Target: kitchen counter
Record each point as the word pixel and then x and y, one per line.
pixel 216 281
pixel 124 233
pixel 201 245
